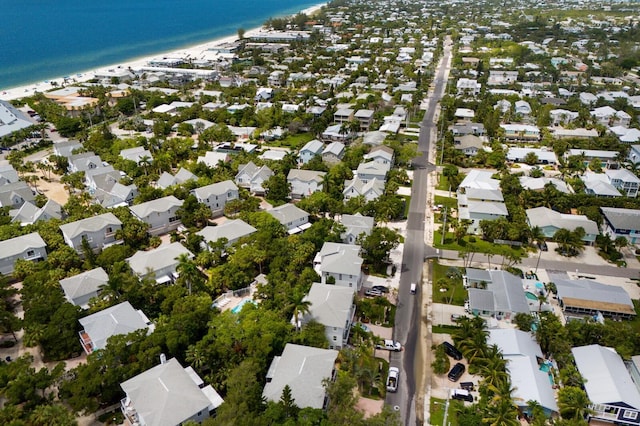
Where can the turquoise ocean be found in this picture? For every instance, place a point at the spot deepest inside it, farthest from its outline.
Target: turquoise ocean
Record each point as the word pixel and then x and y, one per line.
pixel 46 39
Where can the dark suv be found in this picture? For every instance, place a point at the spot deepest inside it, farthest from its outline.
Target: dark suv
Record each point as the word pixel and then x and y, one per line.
pixel 452 351
pixel 456 372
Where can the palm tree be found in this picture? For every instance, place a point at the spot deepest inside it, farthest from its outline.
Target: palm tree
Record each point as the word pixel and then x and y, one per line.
pixel 189 272
pixel 145 162
pixel 573 403
pixel 300 306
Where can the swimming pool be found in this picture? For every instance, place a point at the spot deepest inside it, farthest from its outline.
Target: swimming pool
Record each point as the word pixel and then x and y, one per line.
pixel 531 296
pixel 240 305
pixel 539 286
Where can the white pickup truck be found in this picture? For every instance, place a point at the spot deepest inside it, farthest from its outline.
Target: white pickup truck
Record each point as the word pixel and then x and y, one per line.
pixel 390 345
pixel 392 379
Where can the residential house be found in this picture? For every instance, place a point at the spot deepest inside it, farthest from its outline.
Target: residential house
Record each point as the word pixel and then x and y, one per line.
pixel 310 150
pixel 500 77
pixel 212 158
pixel 333 307
pixel 99 232
pixel 137 154
pixel 550 221
pixel 467 86
pixel 341 264
pixel 529 372
pixel 581 133
pixel 337 133
pixel 355 226
pixel 253 177
pixel 183 175
pixel 160 263
pixel 12 119
pixel 521 132
pixel 356 187
pixel 333 153
pixel 518 155
pixel 120 319
pixel 634 155
pixel 116 195
pixel 365 118
pixel 101 178
pixel 168 395
pixel 29 247
pixel 217 195
pixel 465 114
pixel 83 162
pixel 598 184
pixel 523 108
pixel 305 182
pixel 624 181
pixel 14 195
pixel 372 170
pixel 583 297
pixel 614 397
pixel 29 213
pixel 562 116
pixel 8 174
pixel 622 223
pixel 343 115
pixel 480 198
pixel 462 129
pixel 381 154
pixel 293 218
pixel 304 370
pixel 606 157
pixel 80 289
pixel 468 144
pixel 539 184
pixel 161 215
pixel 231 230
pixel 494 293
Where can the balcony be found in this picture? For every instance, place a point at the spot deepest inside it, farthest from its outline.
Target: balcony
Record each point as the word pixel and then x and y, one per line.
pixel 86 342
pixel 129 412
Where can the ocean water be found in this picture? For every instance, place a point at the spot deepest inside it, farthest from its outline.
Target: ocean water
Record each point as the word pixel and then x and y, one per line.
pixel 44 39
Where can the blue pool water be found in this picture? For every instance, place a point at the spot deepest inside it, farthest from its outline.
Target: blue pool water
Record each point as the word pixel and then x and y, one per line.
pixel 540 286
pixel 531 296
pixel 41 40
pixel 238 308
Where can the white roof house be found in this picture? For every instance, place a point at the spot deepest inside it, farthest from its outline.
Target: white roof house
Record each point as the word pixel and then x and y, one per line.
pixel 232 230
pixel 340 261
pixel 544 157
pixel 27 247
pixel 11 119
pixel 503 296
pixel 355 225
pixel 168 395
pixel 538 184
pixel 331 306
pixel 304 369
pixel 79 289
pixel 293 218
pixel 613 395
pixel 116 320
pixel 161 261
pixel 524 363
pixel 550 221
pixel 588 297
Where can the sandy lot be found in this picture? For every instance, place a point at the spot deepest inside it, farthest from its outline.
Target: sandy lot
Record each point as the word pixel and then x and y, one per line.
pixel 52 189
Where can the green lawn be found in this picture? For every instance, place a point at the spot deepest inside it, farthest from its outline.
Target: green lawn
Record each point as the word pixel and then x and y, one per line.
pixel 293 141
pixel 436 412
pixel 455 293
pixel 479 246
pixel 451 203
pixel 442 329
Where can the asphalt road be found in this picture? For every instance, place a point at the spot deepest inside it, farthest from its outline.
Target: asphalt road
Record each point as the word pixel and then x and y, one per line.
pixel 407 320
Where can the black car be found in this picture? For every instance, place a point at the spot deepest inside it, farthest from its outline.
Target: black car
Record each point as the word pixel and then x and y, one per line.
pixel 456 372
pixel 468 386
pixel 452 351
pixel 380 288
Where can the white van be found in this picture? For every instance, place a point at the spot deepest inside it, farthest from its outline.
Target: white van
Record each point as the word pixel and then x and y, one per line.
pixel 413 288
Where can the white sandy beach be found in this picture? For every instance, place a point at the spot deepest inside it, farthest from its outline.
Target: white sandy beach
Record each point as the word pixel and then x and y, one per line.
pixel 199 51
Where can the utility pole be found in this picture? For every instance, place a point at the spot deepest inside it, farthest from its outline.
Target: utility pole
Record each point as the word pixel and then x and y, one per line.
pixel 446 408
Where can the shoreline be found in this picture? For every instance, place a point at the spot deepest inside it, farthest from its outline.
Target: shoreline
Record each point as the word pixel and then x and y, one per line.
pixel 193 52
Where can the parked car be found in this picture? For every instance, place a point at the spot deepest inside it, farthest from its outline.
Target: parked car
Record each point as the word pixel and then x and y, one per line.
pixel 392 379
pixel 461 395
pixel 456 317
pixel 413 288
pixel 456 372
pixel 380 288
pixel 390 345
pixel 467 386
pixel 361 326
pixel 543 246
pixel 451 350
pixel 372 292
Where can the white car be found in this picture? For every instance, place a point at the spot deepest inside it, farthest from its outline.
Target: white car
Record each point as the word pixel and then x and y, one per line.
pixel 392 379
pixel 390 345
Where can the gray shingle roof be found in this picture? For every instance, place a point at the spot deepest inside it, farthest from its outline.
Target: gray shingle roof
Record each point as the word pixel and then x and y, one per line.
pixel 622 218
pixel 116 320
pixel 231 230
pixel 18 245
pixel 80 288
pixel 165 395
pixel 306 175
pixel 90 224
pixel 287 213
pixel 303 368
pixel 340 258
pixel 219 188
pixel 153 260
pixel 155 206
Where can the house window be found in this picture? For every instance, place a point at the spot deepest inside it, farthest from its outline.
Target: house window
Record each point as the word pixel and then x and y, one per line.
pixel 30 253
pixel 334 338
pixel 630 415
pixel 109 230
pixel 173 219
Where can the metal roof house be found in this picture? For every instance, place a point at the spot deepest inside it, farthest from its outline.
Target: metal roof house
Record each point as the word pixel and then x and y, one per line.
pixel 27 247
pixel 99 231
pixel 551 221
pixel 304 369
pixel 341 263
pixel 622 223
pixel 355 225
pixel 526 366
pixel 232 230
pixel 503 297
pixel 614 396
pixel 160 214
pixel 116 320
pixel 167 395
pixel 331 306
pixel 160 262
pixel 587 297
pixel 79 289
pixel 293 218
